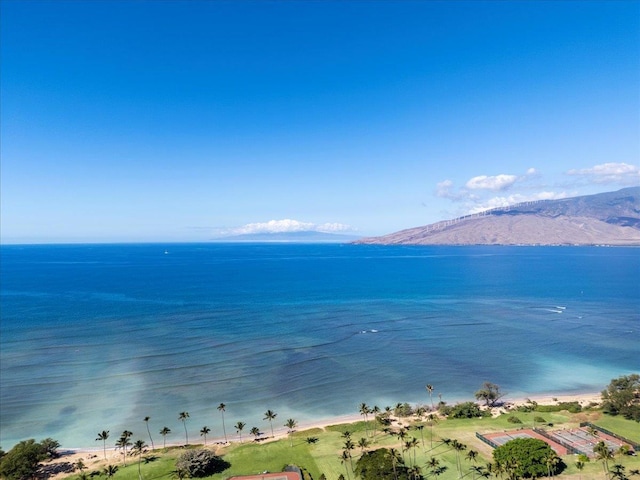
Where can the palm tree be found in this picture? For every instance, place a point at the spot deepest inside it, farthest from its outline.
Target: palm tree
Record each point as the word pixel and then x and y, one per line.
pixel 344 457
pixel 110 470
pixel 551 460
pixel 420 428
pixel 164 432
pixel 432 419
pixel 239 427
pixel 102 436
pixel 363 443
pixel 603 453
pixel 291 424
pixel 79 465
pixel 348 446
pixel 472 456
pixel 458 447
pixel 412 444
pixel 395 458
pixel 414 472
pixel 375 411
pixel 269 415
pixel 203 433
pixel 146 420
pixel 255 431
pixel 139 447
pixel 221 409
pixel 580 466
pixel 429 388
pixel 123 442
pixel 364 411
pixel 183 417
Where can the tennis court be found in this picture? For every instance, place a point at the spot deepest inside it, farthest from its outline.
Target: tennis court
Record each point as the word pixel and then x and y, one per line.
pixel 584 440
pixel 500 438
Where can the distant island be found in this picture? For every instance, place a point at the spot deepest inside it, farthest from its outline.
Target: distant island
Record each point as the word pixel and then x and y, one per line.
pixel 310 236
pixel 611 218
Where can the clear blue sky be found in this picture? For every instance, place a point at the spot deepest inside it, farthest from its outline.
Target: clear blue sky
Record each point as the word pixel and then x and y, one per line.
pixel 182 120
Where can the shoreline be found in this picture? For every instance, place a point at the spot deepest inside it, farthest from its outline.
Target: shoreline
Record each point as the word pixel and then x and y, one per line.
pixel 507 404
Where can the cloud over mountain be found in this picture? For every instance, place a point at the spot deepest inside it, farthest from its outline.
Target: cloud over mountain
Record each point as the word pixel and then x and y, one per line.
pixel 616 173
pixel 288 226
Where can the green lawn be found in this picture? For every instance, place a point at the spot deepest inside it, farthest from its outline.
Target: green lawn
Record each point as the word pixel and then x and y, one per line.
pixel 324 456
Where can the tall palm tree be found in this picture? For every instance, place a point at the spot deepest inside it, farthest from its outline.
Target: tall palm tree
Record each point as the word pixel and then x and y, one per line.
pixel 102 436
pixel 429 388
pixel 580 466
pixel 604 454
pixel 164 432
pixel 221 409
pixel 432 419
pixel 110 470
pixel 123 442
pixel 146 420
pixel 411 444
pixel 375 411
pixel 270 415
pixel 420 428
pixel 239 427
pixel 363 443
pixel 139 447
pixel 291 424
pixel 348 446
pixel 183 417
pixel 203 433
pixel 364 411
pixel 415 472
pixel 458 447
pixel 255 431
pixel 551 460
pixel 344 458
pixel 395 458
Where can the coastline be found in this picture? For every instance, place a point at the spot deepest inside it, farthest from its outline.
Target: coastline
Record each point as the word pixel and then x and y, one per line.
pixel 507 404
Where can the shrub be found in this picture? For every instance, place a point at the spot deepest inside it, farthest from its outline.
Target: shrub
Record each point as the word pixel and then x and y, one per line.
pixel 514 419
pixel 573 407
pixel 403 410
pixel 539 420
pixel 467 410
pixel 200 463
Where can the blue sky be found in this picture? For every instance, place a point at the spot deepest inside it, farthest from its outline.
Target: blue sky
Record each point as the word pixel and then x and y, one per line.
pixel 183 120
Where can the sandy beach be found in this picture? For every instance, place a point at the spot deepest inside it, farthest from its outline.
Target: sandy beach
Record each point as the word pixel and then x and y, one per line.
pixel 94 457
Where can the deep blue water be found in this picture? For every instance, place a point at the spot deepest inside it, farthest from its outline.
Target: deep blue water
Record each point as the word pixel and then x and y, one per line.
pixel 96 337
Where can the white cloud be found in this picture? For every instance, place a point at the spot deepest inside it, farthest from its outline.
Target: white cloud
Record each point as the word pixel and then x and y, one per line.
pixel 619 173
pixel 496 183
pixel 506 201
pixel 443 190
pixel 288 225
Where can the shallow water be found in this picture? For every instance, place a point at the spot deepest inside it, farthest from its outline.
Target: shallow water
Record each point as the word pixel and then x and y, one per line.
pixel 96 337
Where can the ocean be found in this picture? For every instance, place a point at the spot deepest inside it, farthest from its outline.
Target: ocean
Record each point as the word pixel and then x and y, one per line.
pixel 98 337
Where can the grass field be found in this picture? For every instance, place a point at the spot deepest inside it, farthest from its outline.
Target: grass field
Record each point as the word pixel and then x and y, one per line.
pixel 324 455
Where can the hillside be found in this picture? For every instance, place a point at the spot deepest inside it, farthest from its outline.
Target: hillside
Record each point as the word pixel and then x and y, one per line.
pixel 611 218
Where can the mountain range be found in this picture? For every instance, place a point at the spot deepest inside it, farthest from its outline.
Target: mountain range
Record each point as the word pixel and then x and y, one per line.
pixel 611 218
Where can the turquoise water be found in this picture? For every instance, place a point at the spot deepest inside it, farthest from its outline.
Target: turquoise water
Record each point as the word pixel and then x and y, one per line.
pixel 96 337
